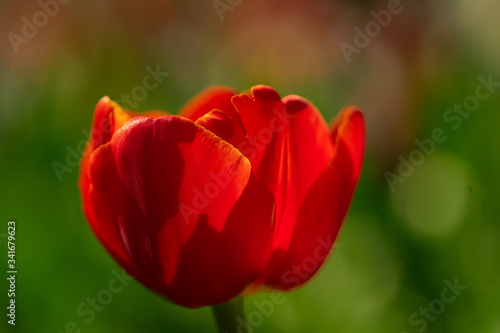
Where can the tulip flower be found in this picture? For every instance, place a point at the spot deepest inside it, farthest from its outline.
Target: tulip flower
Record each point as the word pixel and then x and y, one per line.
pixel 236 194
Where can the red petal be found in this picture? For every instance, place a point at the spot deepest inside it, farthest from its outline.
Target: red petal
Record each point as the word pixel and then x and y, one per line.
pixel 324 207
pixel 223 126
pixel 291 147
pixel 216 97
pixel 175 205
pixel 109 117
pixel 349 129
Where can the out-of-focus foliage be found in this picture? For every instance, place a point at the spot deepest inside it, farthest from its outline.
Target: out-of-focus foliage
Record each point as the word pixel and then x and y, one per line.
pixel 398 250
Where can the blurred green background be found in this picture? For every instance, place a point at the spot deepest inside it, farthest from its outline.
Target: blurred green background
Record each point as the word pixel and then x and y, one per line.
pixel 399 247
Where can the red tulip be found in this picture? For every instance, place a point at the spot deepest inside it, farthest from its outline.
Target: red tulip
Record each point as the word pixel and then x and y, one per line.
pixel 237 193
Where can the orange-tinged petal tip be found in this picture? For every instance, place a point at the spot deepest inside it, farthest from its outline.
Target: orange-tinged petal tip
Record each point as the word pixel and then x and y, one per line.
pixel 265 92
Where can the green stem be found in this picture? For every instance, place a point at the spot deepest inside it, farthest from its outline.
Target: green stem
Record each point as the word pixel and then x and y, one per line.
pixel 230 315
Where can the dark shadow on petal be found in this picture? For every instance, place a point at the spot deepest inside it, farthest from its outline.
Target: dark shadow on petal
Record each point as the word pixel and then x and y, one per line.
pixel 216 266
